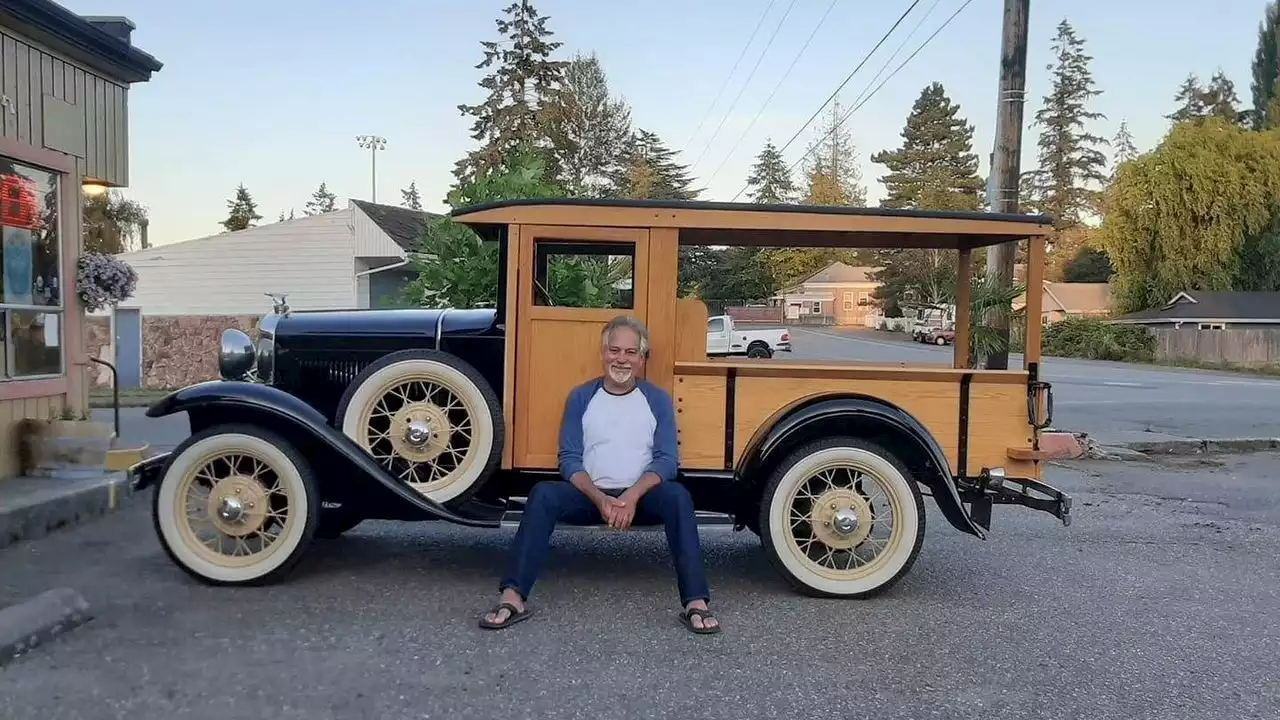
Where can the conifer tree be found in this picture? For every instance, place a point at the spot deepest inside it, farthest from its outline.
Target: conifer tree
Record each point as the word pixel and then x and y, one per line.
pixel 322 201
pixel 410 197
pixel 1266 71
pixel 589 130
pixel 243 211
pixel 523 84
pixel 770 180
pixel 935 168
pixel 831 165
pixel 1197 101
pixel 647 169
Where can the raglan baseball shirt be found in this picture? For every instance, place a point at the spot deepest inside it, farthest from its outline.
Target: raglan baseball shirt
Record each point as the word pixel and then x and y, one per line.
pixel 617 438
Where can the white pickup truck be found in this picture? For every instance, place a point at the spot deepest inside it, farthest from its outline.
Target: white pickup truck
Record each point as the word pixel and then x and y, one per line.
pixel 724 339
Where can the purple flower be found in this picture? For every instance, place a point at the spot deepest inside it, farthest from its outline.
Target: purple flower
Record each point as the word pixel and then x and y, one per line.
pixel 103 280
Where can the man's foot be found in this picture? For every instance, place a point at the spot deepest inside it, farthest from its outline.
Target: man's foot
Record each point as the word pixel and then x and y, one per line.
pixel 510 610
pixel 699 619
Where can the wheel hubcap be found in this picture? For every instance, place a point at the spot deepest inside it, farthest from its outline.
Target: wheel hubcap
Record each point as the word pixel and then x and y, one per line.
pixel 238 505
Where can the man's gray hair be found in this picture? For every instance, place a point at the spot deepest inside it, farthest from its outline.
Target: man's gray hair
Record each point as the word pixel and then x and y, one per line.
pixel 626 321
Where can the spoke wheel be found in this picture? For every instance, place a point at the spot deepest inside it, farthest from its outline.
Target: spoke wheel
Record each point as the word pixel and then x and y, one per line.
pixel 236 505
pixel 842 518
pixel 428 419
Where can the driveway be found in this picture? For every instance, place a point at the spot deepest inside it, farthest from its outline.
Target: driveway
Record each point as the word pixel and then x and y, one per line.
pixel 1114 402
pixel 1159 601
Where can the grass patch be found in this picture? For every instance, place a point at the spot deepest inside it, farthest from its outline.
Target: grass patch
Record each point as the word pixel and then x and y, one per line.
pixel 129 397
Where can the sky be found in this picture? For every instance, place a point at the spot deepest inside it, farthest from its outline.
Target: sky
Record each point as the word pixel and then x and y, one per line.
pixel 272 93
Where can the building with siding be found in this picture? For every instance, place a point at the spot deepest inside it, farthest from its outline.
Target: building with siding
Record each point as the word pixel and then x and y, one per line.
pixel 166 334
pixel 64 131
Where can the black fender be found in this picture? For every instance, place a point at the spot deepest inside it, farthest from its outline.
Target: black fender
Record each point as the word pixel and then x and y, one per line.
pixel 242 400
pixel 864 413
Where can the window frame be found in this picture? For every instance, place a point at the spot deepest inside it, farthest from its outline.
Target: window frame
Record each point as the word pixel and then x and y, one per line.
pixel 545 248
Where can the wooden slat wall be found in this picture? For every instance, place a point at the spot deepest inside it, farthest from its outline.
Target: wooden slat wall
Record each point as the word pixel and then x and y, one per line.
pixel 30 72
pixel 12 412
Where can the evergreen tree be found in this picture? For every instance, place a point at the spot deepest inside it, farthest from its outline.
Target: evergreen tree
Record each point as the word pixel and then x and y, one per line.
pixel 647 169
pixel 322 201
pixel 523 84
pixel 1217 99
pixel 1123 144
pixel 831 166
pixel 281 218
pixel 1190 99
pixel 410 198
pixel 770 180
pixel 1090 265
pixel 589 130
pixel 1069 158
pixel 936 168
pixel 243 211
pixel 1266 70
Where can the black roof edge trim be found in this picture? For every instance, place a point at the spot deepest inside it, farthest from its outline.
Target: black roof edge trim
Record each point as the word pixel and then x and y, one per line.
pixel 759 207
pixel 77 31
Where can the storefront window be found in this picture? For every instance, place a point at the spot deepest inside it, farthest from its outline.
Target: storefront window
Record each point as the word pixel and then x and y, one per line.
pixel 30 271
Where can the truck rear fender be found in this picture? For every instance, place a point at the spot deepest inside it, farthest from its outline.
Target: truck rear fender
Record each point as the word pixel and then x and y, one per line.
pixel 860 416
pixel 216 402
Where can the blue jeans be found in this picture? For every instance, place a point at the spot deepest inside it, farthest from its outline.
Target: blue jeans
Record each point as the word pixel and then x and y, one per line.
pixel 555 501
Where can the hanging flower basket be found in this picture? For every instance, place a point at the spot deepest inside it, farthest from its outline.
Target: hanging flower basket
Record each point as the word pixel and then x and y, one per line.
pixel 103 280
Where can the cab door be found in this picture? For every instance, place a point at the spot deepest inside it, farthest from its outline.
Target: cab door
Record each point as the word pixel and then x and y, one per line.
pixel 572 281
pixel 717 337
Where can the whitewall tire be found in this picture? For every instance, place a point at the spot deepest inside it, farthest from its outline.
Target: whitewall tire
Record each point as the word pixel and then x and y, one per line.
pixel 429 419
pixel 237 505
pixel 842 517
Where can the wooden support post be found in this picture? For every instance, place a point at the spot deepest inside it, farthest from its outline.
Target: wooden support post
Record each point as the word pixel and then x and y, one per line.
pixel 964 319
pixel 1035 298
pixel 1006 161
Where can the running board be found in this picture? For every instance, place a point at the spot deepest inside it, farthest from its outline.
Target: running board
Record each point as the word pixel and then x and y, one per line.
pixel 511 519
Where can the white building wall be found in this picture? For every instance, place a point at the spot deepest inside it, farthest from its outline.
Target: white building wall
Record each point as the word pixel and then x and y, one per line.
pixel 310 259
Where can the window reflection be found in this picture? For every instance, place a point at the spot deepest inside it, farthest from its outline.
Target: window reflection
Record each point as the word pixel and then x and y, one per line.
pixel 35 343
pixel 29 265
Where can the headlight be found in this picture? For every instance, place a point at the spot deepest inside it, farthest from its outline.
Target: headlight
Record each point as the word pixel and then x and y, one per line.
pixel 235 357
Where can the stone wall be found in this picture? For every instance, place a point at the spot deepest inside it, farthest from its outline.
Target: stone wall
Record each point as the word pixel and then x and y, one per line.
pixel 177 350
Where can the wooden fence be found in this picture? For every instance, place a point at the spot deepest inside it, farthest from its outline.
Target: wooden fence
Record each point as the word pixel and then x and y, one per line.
pixel 1241 347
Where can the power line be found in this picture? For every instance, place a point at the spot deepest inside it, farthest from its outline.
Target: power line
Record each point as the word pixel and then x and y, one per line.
pixel 734 69
pixel 901 45
pixel 744 85
pixel 864 101
pixel 767 100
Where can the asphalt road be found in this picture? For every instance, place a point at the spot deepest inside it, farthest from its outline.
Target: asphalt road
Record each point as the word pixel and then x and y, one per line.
pixel 1159 601
pixel 1114 402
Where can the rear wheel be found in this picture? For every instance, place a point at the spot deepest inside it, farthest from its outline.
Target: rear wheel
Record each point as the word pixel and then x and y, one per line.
pixel 940 341
pixel 841 517
pixel 759 350
pixel 237 505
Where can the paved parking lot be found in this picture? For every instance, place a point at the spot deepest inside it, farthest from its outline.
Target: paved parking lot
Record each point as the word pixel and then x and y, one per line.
pixel 1159 601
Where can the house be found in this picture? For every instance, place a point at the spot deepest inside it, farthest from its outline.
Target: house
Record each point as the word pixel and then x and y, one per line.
pixel 839 294
pixel 188 292
pixel 1215 328
pixel 1061 300
pixel 64 133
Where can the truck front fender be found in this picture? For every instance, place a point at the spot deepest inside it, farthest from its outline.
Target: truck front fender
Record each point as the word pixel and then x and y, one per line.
pixel 219 401
pixel 868 417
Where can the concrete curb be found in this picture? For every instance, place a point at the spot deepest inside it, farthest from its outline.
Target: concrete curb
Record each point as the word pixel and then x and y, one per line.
pixel 40 619
pixel 1146 449
pixel 34 507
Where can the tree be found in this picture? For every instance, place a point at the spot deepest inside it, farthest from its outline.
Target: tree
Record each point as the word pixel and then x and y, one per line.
pixel 770 180
pixel 1196 213
pixel 647 169
pixel 410 198
pixel 1198 101
pixel 1190 99
pixel 935 168
pixel 243 211
pixel 524 83
pixel 110 223
pixel 1266 70
pixel 1090 265
pixel 721 276
pixel 322 201
pixel 831 166
pixel 1069 158
pixel 589 130
pixel 1123 144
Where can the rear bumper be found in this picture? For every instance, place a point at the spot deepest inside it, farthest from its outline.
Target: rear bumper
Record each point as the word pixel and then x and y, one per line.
pixel 143 475
pixel 992 488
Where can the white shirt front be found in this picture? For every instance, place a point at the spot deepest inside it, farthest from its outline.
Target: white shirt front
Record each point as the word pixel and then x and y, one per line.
pixel 617 438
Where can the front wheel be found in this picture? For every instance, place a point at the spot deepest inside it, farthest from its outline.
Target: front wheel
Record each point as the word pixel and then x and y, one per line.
pixel 237 505
pixel 841 517
pixel 941 341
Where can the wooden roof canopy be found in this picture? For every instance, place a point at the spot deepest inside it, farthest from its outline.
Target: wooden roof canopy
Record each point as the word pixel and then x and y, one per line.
pixel 763 225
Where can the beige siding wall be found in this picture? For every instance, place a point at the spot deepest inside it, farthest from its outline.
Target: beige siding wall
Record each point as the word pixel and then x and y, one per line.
pixel 61 106
pixel 370 240
pixel 12 413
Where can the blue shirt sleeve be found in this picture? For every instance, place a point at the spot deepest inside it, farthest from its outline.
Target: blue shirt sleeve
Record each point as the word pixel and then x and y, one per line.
pixel 571 431
pixel 666 458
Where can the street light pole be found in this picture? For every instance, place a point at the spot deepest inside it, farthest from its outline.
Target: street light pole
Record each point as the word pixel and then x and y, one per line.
pixel 373 144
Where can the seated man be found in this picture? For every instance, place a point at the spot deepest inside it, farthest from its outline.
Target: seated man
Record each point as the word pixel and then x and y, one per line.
pixel 618 465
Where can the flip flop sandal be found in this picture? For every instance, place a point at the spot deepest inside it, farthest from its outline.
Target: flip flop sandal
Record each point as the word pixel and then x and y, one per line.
pixel 686 618
pixel 515 617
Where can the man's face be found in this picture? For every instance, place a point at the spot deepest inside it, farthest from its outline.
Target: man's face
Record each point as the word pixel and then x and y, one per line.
pixel 622 358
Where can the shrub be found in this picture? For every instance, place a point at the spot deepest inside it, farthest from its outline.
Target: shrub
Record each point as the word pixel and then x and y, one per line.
pixel 1094 339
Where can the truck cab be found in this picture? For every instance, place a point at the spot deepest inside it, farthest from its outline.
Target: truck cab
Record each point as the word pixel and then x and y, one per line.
pixel 725 339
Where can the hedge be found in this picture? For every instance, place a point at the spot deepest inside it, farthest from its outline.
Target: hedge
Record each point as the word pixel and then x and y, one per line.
pixel 1094 339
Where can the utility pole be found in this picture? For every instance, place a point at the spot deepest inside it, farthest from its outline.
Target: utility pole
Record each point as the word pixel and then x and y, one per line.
pixel 1006 161
pixel 373 143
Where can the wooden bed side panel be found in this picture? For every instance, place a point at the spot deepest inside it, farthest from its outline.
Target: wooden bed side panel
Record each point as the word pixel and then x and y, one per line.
pixel 936 405
pixel 700 421
pixel 998 421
